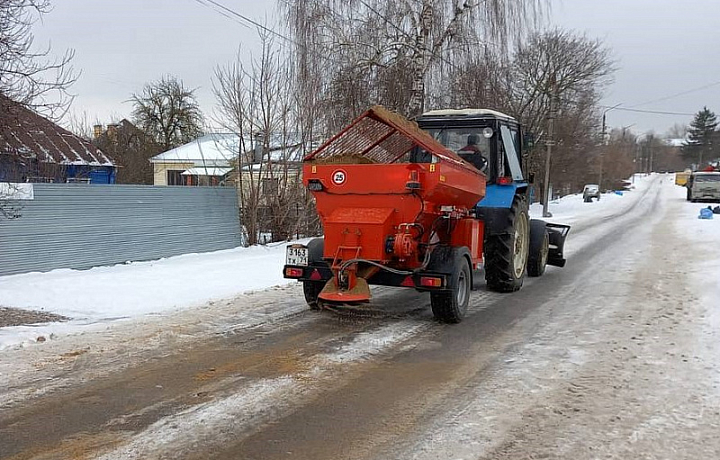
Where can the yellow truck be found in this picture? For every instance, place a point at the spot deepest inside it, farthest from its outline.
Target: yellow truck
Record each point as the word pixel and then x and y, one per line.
pixel 681 178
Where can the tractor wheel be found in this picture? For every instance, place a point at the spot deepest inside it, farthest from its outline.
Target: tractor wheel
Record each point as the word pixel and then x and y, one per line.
pixel 506 253
pixel 539 247
pixel 451 306
pixel 312 289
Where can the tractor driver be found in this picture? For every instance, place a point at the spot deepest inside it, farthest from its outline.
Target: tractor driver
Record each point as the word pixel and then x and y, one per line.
pixel 473 155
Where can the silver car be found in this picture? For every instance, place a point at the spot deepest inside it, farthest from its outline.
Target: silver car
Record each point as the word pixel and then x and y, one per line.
pixel 591 191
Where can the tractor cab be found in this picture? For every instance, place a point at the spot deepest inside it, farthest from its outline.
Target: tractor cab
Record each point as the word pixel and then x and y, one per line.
pixel 489 140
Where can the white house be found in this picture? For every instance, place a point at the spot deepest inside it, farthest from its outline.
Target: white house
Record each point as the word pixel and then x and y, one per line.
pixel 205 161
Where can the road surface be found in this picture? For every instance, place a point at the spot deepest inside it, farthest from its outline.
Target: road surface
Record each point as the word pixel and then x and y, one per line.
pixel 614 356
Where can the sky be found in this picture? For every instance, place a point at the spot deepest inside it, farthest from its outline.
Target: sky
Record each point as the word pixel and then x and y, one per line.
pixel 662 48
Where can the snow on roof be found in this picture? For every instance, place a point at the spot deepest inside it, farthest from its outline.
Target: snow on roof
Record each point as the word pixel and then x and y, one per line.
pixel 466 112
pixel 219 149
pixel 216 149
pixel 202 171
pixel 30 135
pixel 676 142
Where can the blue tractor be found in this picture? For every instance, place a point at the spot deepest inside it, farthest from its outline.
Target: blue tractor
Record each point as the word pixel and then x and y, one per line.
pixel 514 244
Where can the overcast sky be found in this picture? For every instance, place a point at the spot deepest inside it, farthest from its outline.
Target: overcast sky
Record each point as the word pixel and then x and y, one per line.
pixel 662 48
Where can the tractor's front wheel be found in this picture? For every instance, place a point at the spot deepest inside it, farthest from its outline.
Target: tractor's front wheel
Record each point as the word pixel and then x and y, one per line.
pixel 506 253
pixel 539 248
pixel 450 306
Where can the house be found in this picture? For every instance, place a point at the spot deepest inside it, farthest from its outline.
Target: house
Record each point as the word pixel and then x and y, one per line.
pixel 130 147
pixel 207 160
pixel 34 149
pixel 210 160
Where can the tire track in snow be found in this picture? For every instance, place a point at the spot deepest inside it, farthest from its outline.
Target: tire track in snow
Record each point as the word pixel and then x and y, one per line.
pixel 239 414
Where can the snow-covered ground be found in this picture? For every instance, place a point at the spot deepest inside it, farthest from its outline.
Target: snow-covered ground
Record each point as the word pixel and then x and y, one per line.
pixel 93 298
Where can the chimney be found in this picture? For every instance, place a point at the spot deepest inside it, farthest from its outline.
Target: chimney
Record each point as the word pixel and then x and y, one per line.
pixel 112 131
pixel 97 131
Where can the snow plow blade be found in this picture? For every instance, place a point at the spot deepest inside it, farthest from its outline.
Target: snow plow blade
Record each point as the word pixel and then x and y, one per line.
pixel 557 234
pixel 359 293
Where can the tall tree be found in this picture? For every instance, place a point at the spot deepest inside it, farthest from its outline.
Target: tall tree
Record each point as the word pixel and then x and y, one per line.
pixel 574 70
pixel 168 112
pixel 27 75
pixel 701 135
pixel 256 103
pixel 374 51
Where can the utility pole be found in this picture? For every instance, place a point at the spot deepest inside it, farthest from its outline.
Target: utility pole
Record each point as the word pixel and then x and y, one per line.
pixel 548 146
pixel 602 151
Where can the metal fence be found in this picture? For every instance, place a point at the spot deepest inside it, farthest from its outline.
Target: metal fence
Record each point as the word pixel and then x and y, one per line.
pixel 82 226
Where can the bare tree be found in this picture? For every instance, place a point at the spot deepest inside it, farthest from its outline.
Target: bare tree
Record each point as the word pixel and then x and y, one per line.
pixel 574 70
pixel 27 75
pixel 168 112
pixel 373 51
pixel 256 103
pixel 677 131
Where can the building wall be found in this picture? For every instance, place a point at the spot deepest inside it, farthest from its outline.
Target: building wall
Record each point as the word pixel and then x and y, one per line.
pixel 81 226
pixel 160 171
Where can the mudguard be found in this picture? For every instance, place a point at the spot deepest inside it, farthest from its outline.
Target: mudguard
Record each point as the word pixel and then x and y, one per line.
pixel 557 234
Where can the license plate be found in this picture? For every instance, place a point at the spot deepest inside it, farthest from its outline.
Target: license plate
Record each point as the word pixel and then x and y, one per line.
pixel 296 255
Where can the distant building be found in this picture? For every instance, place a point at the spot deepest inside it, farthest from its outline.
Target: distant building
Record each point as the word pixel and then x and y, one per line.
pixel 34 149
pixel 207 160
pixel 131 149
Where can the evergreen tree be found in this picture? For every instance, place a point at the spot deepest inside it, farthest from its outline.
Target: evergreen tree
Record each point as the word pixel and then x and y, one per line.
pixel 701 136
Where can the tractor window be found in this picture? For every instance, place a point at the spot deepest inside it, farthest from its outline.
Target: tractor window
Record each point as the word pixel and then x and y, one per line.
pixel 510 146
pixel 468 143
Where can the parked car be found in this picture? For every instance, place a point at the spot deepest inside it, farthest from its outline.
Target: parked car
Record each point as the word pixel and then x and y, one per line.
pixel 591 191
pixel 703 186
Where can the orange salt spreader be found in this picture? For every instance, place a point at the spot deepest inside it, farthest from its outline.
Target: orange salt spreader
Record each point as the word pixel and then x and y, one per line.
pixel 396 208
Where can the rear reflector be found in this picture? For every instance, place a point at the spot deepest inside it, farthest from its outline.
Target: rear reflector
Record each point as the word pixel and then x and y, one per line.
pixel 291 272
pixel 408 282
pixel 504 180
pixel 315 275
pixel 430 281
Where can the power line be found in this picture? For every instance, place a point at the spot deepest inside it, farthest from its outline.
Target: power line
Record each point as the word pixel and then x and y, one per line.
pixel 242 17
pixel 699 88
pixel 658 112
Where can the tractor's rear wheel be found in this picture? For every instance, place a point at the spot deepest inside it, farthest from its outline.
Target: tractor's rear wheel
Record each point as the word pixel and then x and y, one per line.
pixel 450 306
pixel 312 289
pixel 506 253
pixel 539 248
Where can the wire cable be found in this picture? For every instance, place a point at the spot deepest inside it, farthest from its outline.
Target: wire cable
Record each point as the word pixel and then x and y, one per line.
pixel 682 93
pixel 658 112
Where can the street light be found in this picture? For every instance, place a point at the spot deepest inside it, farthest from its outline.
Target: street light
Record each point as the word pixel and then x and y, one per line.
pixel 603 119
pixel 604 142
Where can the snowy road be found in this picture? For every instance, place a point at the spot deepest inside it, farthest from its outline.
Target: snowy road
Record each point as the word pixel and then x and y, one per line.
pixel 615 356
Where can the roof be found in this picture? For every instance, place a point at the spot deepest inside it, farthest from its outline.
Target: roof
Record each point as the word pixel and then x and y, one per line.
pixel 676 142
pixel 206 171
pixel 29 135
pixel 468 112
pixel 211 150
pixel 218 150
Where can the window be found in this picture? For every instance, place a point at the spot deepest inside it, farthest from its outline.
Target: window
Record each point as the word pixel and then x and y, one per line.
pixel 175 177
